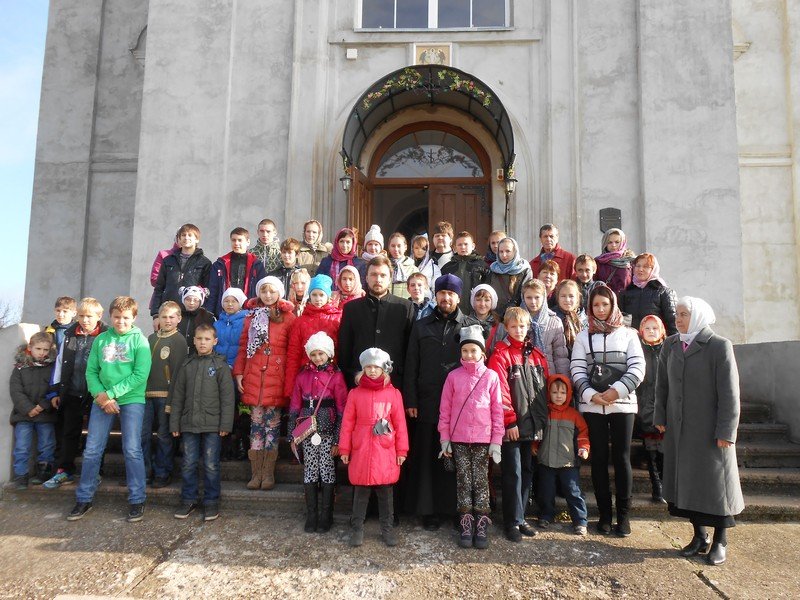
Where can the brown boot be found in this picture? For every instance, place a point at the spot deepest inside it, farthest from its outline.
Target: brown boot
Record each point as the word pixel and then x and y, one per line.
pixel 268 470
pixel 256 466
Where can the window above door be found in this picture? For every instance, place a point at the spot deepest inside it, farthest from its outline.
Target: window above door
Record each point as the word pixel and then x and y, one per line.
pixel 429 154
pixel 433 14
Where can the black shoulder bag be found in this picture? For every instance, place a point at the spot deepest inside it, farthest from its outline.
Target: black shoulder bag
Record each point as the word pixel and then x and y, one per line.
pixel 601 375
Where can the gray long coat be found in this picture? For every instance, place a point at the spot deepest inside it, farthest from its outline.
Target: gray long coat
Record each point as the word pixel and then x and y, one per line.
pixel 697 400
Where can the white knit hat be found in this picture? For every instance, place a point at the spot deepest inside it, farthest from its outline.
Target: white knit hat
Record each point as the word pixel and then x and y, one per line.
pixel 320 341
pixel 195 291
pixel 374 235
pixel 274 282
pixel 376 357
pixel 485 288
pixel 236 293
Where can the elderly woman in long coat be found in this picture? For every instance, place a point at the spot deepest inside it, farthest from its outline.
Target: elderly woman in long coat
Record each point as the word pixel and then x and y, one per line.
pixel 697 409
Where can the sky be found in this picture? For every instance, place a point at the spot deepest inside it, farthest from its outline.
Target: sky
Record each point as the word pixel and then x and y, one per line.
pixel 23 27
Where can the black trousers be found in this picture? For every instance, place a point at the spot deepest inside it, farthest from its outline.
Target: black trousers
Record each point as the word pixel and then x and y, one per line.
pixel 616 428
pixel 71 413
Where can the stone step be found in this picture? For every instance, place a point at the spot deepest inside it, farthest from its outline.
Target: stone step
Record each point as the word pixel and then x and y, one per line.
pixel 755 412
pixel 762 432
pixel 287 499
pixel 763 455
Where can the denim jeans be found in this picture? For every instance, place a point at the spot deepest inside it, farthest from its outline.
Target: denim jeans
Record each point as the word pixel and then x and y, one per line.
pixel 569 478
pixel 516 476
pixel 193 444
pixel 23 442
pixel 158 463
pixel 100 423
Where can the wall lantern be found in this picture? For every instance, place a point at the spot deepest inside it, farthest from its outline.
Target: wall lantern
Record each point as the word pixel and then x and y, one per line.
pixel 346 181
pixel 511 185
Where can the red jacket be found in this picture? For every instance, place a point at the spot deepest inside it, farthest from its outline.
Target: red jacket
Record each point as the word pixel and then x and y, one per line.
pixel 265 372
pixel 565 261
pixel 373 458
pixel 313 320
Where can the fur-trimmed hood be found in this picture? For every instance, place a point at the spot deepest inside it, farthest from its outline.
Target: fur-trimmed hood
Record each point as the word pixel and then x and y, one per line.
pixel 23 358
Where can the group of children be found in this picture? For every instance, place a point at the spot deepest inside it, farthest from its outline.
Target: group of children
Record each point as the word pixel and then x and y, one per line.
pixel 235 348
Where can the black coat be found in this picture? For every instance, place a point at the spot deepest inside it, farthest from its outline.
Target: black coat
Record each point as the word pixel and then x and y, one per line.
pixel 171 277
pixel 470 270
pixel 372 323
pixel 74 350
pixel 653 299
pixel 433 351
pixel 29 387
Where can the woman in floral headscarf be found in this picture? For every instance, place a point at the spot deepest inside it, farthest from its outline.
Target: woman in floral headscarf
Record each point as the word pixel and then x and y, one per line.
pixel 697 410
pixel 607 366
pixel 508 274
pixel 614 264
pixel 648 294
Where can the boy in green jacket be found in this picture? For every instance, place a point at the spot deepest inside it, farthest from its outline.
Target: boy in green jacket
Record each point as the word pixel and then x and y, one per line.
pixel 202 405
pixel 116 376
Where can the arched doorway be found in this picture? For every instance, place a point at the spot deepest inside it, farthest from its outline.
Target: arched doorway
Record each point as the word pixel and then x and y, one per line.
pixel 426 170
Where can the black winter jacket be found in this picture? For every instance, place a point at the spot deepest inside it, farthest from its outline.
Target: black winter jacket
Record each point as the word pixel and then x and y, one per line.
pixel 433 351
pixel 652 299
pixel 171 277
pixel 202 398
pixel 470 270
pixel 29 387
pixel 372 323
pixel 73 352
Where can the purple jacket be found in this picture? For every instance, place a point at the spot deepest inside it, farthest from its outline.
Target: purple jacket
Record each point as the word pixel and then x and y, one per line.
pixel 481 419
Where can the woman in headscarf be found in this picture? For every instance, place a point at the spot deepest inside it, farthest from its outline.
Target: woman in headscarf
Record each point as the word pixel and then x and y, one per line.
pixel 402 266
pixel 614 264
pixel 568 309
pixel 648 294
pixel 421 253
pixel 607 366
pixel 348 287
pixel 508 274
pixel 697 410
pixel 344 254
pixel 312 249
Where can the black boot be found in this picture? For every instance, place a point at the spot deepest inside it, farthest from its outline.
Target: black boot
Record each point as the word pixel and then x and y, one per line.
pixel 326 508
pixel 655 477
pixel 718 553
pixel 44 471
pixel 386 515
pixel 360 500
pixel 623 528
pixel 604 510
pixel 311 507
pixel 700 543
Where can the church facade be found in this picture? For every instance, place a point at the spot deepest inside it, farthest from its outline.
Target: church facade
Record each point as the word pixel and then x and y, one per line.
pixel 674 120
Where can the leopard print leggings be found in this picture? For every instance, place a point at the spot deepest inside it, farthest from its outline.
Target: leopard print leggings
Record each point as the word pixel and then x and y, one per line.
pixel 318 464
pixel 472 477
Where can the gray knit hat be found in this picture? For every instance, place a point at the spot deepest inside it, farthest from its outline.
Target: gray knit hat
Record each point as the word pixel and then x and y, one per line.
pixel 473 334
pixel 376 357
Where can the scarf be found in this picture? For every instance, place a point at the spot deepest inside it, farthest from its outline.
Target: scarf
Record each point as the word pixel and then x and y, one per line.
pixel 654 276
pixel 319 245
pixel 373 384
pixel 662 331
pixel 398 274
pixel 702 315
pixel 338 257
pixel 258 334
pixel 515 266
pixel 620 259
pixel 573 324
pixel 368 256
pixel 613 322
pixel 538 326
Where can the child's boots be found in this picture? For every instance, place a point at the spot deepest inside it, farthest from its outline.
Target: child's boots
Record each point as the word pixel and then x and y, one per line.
pixel 268 470
pixel 311 507
pixel 467 525
pixel 386 512
pixel 326 508
pixel 256 466
pixel 482 532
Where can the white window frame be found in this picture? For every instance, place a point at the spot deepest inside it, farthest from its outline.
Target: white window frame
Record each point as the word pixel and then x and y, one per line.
pixel 433 18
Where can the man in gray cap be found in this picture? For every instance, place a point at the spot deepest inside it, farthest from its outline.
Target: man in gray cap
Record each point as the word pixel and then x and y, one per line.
pixel 433 351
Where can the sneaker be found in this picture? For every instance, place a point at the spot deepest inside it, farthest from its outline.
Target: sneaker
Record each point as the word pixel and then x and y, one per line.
pixel 513 534
pixel 543 524
pixel 211 511
pixel 135 513
pixel 579 529
pixel 20 482
pixel 185 510
pixel 60 478
pixel 161 482
pixel 526 529
pixel 80 509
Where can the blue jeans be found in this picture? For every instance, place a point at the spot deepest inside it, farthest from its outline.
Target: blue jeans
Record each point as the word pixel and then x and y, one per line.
pixel 569 477
pixel 100 423
pixel 159 465
pixel 210 444
pixel 516 476
pixel 23 442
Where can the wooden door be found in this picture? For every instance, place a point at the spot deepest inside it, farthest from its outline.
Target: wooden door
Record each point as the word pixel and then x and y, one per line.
pixel 467 207
pixel 359 213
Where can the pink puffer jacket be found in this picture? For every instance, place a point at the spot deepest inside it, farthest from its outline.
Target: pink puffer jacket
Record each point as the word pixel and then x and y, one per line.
pixel 481 420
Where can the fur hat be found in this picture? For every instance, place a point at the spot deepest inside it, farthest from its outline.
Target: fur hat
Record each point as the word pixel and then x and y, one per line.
pixel 483 287
pixel 374 235
pixel 320 341
pixel 322 283
pixel 274 282
pixel 472 334
pixel 376 357
pixel 236 293
pixel 449 283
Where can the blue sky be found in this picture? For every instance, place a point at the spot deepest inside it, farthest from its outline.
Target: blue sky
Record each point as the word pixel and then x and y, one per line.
pixel 22 37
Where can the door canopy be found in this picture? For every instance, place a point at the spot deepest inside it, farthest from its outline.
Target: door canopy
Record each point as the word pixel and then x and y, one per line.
pixel 426 85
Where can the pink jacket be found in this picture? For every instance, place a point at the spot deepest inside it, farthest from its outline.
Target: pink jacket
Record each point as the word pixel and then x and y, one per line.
pixel 481 420
pixel 373 458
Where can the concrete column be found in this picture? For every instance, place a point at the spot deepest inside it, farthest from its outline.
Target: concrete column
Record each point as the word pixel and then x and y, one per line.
pixel 63 156
pixel 689 163
pixel 793 101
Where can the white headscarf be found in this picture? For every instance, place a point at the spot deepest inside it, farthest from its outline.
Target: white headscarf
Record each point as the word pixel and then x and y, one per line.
pixel 702 315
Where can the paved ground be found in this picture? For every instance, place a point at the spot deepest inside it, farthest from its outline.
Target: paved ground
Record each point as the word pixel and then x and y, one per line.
pixel 268 555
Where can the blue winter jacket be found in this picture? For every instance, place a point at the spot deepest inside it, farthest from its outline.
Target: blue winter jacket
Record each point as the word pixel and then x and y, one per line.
pixel 229 328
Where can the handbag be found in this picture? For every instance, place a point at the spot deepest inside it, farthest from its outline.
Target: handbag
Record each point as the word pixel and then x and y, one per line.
pixel 601 375
pixel 448 463
pixel 305 427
